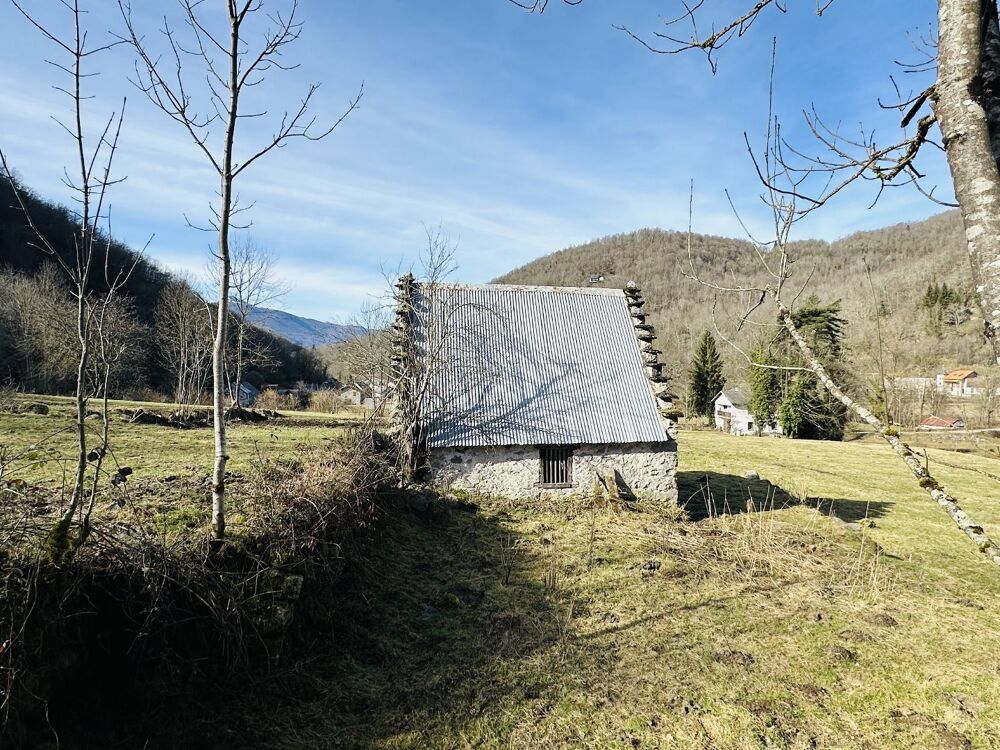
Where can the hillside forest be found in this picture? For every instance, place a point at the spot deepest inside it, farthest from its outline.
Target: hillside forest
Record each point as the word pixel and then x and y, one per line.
pixel 918 289
pixel 38 347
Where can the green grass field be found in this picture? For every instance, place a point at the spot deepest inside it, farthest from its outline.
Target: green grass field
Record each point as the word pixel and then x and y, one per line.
pixel 575 624
pixel 156 452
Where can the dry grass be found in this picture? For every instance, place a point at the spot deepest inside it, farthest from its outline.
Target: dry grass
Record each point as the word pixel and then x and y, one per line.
pixel 592 624
pixel 583 624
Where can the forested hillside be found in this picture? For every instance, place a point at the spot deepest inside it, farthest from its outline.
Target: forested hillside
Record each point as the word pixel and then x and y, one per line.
pixel 908 262
pixel 37 339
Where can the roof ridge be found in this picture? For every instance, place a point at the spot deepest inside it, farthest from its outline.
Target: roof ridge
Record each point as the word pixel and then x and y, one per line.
pixel 596 290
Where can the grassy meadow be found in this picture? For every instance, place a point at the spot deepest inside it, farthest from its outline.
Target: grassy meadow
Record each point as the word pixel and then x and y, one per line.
pixel 488 623
pixel 584 625
pixel 152 451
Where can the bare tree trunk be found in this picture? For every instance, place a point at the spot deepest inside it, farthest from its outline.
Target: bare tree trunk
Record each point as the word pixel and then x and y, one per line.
pixel 936 491
pixel 235 387
pixel 964 26
pixel 222 311
pixel 166 90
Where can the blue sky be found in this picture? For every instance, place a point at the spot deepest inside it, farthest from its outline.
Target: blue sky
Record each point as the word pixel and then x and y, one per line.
pixel 520 134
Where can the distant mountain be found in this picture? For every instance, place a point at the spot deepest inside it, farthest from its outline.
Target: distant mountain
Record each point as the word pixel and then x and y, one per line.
pixel 904 259
pixel 302 331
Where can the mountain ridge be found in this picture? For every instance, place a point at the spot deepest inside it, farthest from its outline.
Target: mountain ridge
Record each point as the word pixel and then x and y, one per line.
pixel 307 332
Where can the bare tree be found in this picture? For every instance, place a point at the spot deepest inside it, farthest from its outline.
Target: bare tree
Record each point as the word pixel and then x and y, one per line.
pixel 184 336
pixel 775 287
pixel 413 365
pixel 232 58
pixel 39 313
pixel 90 259
pixel 365 357
pixel 441 337
pixel 253 284
pixel 961 103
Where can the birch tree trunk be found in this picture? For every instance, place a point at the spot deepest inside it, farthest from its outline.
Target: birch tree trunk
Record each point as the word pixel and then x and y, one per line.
pixel 222 311
pixel 967 36
pixel 927 482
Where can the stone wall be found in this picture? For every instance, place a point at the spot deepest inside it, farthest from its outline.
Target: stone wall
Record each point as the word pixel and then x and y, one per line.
pixel 648 469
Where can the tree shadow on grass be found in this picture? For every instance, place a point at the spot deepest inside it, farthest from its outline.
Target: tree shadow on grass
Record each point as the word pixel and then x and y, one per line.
pixel 432 623
pixel 709 494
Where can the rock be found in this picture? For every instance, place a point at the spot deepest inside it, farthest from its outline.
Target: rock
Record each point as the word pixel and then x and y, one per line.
pixel 651 565
pixel 846 525
pixel 751 475
pixel 37 408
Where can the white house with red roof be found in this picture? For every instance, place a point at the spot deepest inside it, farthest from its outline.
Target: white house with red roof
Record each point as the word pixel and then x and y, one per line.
pixel 960 382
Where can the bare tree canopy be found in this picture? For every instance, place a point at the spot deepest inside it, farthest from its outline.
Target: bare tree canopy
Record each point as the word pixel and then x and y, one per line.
pixel 97 350
pixel 960 103
pixel 204 80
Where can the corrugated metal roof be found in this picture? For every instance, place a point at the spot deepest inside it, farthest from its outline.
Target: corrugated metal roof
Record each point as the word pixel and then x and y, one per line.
pixel 520 365
pixel 940 422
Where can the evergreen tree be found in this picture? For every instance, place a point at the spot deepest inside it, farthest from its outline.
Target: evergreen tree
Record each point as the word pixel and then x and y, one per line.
pixel 822 325
pixel 809 412
pixel 765 390
pixel 706 376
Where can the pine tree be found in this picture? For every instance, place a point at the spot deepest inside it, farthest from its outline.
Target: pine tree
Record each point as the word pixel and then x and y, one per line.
pixel 706 376
pixel 765 390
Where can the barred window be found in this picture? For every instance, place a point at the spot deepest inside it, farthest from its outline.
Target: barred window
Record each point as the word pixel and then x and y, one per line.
pixel 556 469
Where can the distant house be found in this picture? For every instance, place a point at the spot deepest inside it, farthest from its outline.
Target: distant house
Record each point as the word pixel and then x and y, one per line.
pixel 535 391
pixel 351 394
pixel 939 423
pixel 247 394
pixel 733 416
pixel 958 383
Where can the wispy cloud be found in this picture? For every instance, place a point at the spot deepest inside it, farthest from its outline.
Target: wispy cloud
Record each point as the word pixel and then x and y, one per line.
pixel 520 135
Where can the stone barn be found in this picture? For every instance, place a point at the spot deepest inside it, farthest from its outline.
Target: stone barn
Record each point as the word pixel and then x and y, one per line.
pixel 524 391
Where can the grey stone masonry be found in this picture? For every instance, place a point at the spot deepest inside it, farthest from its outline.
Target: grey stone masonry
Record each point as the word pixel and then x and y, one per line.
pixel 658 380
pixel 647 469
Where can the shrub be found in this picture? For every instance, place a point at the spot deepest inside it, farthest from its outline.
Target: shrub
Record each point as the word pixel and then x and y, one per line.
pixel 294 506
pixel 326 400
pixel 273 401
